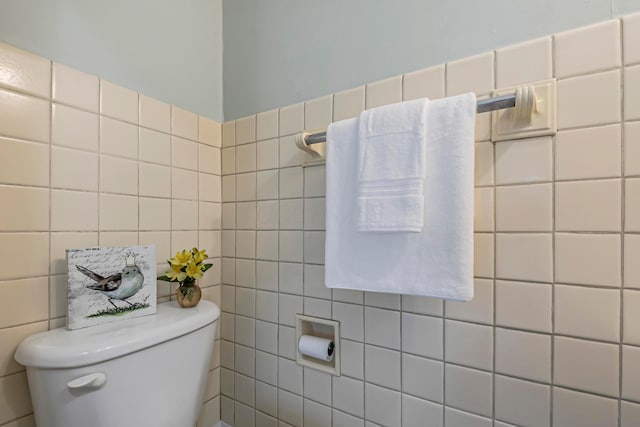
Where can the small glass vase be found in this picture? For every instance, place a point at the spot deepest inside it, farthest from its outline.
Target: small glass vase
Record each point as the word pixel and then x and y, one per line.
pixel 188 295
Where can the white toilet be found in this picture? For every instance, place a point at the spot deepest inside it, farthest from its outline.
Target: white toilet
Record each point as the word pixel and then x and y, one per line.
pixel 145 372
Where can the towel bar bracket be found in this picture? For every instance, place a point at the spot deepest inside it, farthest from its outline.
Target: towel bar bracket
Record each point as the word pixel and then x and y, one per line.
pixel 534 114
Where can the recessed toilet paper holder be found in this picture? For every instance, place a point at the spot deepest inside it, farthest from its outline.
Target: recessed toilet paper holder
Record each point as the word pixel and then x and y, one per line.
pixel 319 334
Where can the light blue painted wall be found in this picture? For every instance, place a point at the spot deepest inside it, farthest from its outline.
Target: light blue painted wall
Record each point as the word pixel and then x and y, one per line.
pixel 169 49
pixel 280 52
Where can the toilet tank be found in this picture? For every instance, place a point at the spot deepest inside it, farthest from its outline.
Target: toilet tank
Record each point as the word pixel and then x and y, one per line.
pixel 148 371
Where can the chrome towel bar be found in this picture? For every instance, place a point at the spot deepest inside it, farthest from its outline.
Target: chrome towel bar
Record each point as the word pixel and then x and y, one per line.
pixel 484 105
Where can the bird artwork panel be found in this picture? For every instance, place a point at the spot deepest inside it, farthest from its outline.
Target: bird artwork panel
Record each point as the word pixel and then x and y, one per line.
pixel 110 284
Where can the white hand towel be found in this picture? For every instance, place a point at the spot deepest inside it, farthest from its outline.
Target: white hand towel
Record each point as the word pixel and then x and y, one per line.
pixel 391 165
pixel 437 262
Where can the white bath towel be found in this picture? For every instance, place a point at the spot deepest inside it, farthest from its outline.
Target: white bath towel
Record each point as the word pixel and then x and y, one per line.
pixel 437 262
pixel 391 167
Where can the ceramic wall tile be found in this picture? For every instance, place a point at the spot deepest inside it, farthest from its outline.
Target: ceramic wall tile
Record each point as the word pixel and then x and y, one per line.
pixel 588 313
pixel 524 161
pixel 427 83
pixel 74 211
pixel 348 104
pixel 209 132
pixel 473 74
pixel 384 92
pixel 118 175
pixel 382 327
pixel 524 208
pixel 118 138
pixel 73 169
pixel 116 212
pixel 318 113
pixel 631 270
pixel 630 366
pixel 118 102
pixel 415 411
pixel 468 344
pixel 523 354
pixel 522 402
pixel 245 130
pixel 32 170
pixel 575 96
pixel 75 88
pixel 29 209
pixel 422 377
pixel 631 35
pixel 588 49
pixel 229 133
pixel 588 153
pixel 588 205
pixel 572 357
pixel 468 389
pixel 629 414
pixel 588 259
pixel 24 117
pixel 524 63
pixel 631 88
pixel 184 123
pixel 154 114
pixel 291 119
pixel 524 257
pixel 388 413
pixel 267 125
pixel 25 72
pixel 154 147
pixel 523 305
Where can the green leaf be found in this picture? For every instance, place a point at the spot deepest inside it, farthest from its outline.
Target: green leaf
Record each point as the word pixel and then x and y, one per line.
pixel 164 278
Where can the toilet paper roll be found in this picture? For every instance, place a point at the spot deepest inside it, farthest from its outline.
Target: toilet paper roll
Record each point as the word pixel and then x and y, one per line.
pixel 319 348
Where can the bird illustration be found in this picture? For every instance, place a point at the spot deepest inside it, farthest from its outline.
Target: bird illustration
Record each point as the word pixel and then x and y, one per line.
pixel 118 286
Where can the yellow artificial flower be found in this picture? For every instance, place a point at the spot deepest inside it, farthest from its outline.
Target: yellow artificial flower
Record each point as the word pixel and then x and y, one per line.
pixel 187 266
pixel 181 259
pixel 194 270
pixel 199 256
pixel 176 273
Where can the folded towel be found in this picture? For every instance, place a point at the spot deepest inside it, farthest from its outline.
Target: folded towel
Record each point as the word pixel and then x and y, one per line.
pixel 437 262
pixel 391 171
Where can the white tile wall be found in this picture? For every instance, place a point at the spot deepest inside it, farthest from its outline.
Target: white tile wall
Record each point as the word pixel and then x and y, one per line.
pixel 556 241
pixel 100 171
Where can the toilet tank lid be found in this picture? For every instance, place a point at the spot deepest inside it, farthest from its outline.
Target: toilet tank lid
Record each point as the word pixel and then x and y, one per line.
pixel 60 348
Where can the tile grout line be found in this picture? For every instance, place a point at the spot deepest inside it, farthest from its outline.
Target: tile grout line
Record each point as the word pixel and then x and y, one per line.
pixel 138 175
pixel 50 194
pixel 171 195
pixel 402 79
pixel 304 257
pixel 277 356
pixel 98 153
pixel 495 262
pixel 232 344
pixel 364 316
pixel 442 304
pixel 622 222
pixel 332 301
pixel 255 272
pixel 553 245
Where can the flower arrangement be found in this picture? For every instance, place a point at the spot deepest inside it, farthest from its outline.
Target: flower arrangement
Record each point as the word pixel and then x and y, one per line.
pixel 186 268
